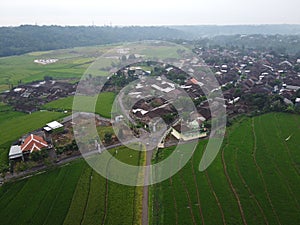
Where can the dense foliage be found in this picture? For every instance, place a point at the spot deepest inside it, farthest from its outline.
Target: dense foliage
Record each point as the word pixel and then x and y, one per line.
pixel 27 38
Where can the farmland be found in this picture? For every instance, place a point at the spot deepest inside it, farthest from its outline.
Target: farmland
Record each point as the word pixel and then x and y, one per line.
pixel 103 102
pixel 71 65
pixel 72 194
pixel 254 179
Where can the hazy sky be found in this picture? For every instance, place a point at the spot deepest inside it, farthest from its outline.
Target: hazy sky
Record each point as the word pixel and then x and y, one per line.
pixel 150 12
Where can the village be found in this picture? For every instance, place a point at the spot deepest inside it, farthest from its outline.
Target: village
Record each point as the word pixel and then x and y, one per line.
pixel 255 81
pixel 32 96
pixel 251 84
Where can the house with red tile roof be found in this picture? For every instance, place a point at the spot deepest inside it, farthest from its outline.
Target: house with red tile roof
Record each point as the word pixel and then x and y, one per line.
pixel 33 143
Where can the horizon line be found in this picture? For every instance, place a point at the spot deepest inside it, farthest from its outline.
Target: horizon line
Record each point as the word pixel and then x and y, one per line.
pixel 152 25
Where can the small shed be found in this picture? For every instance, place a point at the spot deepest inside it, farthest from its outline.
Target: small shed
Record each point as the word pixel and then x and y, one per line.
pixel 53 126
pixel 15 152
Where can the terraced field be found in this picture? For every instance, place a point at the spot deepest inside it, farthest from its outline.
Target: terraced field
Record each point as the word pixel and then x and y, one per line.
pixel 72 194
pixel 254 179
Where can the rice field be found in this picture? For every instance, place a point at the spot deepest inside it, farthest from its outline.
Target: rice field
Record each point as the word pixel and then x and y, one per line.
pixel 72 194
pixel 254 179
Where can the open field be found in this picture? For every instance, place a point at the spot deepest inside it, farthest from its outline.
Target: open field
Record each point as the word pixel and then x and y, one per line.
pixel 71 65
pixel 72 194
pixel 254 179
pixel 6 112
pixel 103 107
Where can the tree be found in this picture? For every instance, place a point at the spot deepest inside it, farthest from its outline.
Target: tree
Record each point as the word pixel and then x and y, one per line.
pixel 298 93
pixel 131 56
pixel 38 155
pixel 107 138
pixel 123 58
pixel 48 78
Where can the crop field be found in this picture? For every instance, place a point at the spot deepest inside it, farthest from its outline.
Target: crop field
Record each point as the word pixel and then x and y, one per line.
pixel 103 107
pixel 71 65
pixel 254 179
pixel 72 194
pixel 6 112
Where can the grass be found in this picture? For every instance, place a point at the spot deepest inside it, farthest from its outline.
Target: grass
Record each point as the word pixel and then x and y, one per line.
pixel 48 193
pixel 103 107
pixel 72 64
pixel 12 129
pixel 6 112
pixel 72 194
pixel 261 166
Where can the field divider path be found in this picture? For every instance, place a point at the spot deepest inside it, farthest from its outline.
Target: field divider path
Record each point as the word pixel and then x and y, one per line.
pixel 87 198
pixel 174 200
pixel 189 198
pixel 260 172
pixel 106 192
pixel 280 174
pixel 197 190
pixel 280 135
pixel 232 187
pixel 216 198
pixel 246 185
pixel 15 195
pixel 187 194
pixel 56 196
pixel 250 192
pixel 174 197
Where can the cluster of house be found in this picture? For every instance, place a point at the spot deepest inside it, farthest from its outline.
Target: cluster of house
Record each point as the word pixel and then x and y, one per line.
pixel 29 97
pixel 147 107
pixel 33 142
pixel 258 72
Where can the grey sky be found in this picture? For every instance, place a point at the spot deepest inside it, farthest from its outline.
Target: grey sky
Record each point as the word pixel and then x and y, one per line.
pixel 150 12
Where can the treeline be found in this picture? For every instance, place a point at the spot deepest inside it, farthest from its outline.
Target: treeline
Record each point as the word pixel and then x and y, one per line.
pixel 199 31
pixel 275 44
pixel 28 38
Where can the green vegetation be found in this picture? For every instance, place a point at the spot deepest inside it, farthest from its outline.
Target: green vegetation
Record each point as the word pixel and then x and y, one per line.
pixel 103 107
pixel 14 125
pixel 71 64
pixel 72 194
pixel 6 112
pixel 27 38
pixel 254 179
pixel 12 129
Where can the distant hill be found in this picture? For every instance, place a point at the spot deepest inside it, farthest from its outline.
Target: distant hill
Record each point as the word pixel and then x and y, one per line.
pixel 28 38
pixel 214 30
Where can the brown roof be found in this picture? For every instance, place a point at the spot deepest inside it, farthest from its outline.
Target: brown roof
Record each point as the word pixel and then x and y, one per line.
pixel 33 143
pixel 194 81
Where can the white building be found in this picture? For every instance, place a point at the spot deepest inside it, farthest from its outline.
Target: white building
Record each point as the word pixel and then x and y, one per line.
pixel 53 126
pixel 15 152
